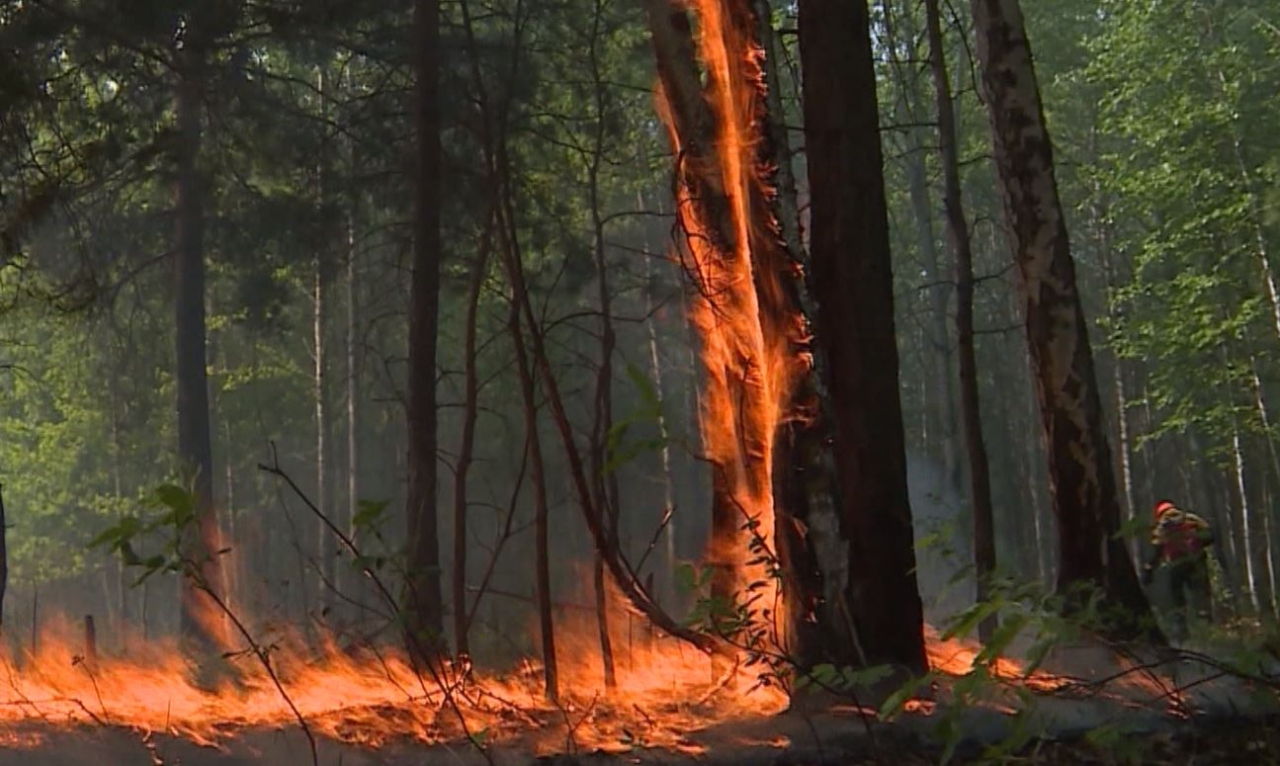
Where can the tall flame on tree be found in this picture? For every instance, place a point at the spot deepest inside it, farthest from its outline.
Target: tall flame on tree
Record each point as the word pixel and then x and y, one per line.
pixel 746 305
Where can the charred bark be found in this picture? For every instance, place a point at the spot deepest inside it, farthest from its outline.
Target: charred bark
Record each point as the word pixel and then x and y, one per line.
pixel 854 291
pixel 423 608
pixel 984 539
pixel 1085 502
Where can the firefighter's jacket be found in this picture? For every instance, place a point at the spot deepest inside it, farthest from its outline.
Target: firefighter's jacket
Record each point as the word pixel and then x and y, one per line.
pixel 1178 536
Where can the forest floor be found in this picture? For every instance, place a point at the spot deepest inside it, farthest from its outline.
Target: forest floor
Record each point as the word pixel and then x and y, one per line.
pixel 1137 711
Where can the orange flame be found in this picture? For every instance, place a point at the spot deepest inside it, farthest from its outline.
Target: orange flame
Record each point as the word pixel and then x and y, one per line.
pixel 751 368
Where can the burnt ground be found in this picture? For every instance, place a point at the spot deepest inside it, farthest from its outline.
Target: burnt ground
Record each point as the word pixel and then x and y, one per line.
pixel 1188 715
pixel 1212 740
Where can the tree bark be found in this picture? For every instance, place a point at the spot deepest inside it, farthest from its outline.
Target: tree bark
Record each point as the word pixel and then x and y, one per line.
pixel 854 292
pixel 466 446
pixel 199 620
pixel 605 482
pixel 326 550
pixel 423 608
pixel 542 556
pixel 984 540
pixel 1246 534
pixel 1080 470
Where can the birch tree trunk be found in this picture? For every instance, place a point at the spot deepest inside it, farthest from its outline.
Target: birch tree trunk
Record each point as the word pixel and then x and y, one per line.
pixel 1085 499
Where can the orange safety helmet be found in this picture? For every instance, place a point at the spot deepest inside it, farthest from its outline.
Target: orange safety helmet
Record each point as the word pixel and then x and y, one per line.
pixel 1163 507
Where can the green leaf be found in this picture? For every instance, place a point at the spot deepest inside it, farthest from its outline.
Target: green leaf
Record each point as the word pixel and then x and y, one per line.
pixel 368 514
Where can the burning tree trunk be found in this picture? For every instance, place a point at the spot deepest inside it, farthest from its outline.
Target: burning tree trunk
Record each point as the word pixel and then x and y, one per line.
pixel 984 540
pixel 423 610
pixel 199 620
pixel 759 422
pixel 1080 470
pixel 854 292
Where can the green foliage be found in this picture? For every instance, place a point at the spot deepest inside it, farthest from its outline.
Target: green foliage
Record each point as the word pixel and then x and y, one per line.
pixel 648 411
pixel 176 514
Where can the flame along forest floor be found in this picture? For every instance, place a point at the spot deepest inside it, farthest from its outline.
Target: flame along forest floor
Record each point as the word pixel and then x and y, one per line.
pixel 1084 707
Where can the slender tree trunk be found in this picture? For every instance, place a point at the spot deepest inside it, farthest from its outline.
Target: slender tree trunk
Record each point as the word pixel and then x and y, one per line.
pixel 423 606
pixel 942 414
pixel 493 143
pixel 199 619
pixel 668 539
pixel 320 385
pixel 1102 229
pixel 1274 454
pixel 605 484
pixel 353 413
pixel 351 332
pixel 984 541
pixel 1242 490
pixel 854 292
pixel 542 562
pixel 1085 497
pixel 466 446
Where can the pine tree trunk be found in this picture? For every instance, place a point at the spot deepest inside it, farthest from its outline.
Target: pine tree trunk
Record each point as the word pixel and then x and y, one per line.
pixel 422 605
pixel 984 541
pixel 195 448
pixel 1085 499
pixel 855 321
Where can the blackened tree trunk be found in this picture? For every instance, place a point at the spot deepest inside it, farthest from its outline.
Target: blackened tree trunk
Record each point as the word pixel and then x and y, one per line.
pixel 984 535
pixel 423 611
pixel 198 620
pixel 855 327
pixel 1081 474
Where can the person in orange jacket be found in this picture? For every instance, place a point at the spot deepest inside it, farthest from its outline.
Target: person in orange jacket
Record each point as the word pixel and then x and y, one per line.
pixel 1179 544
